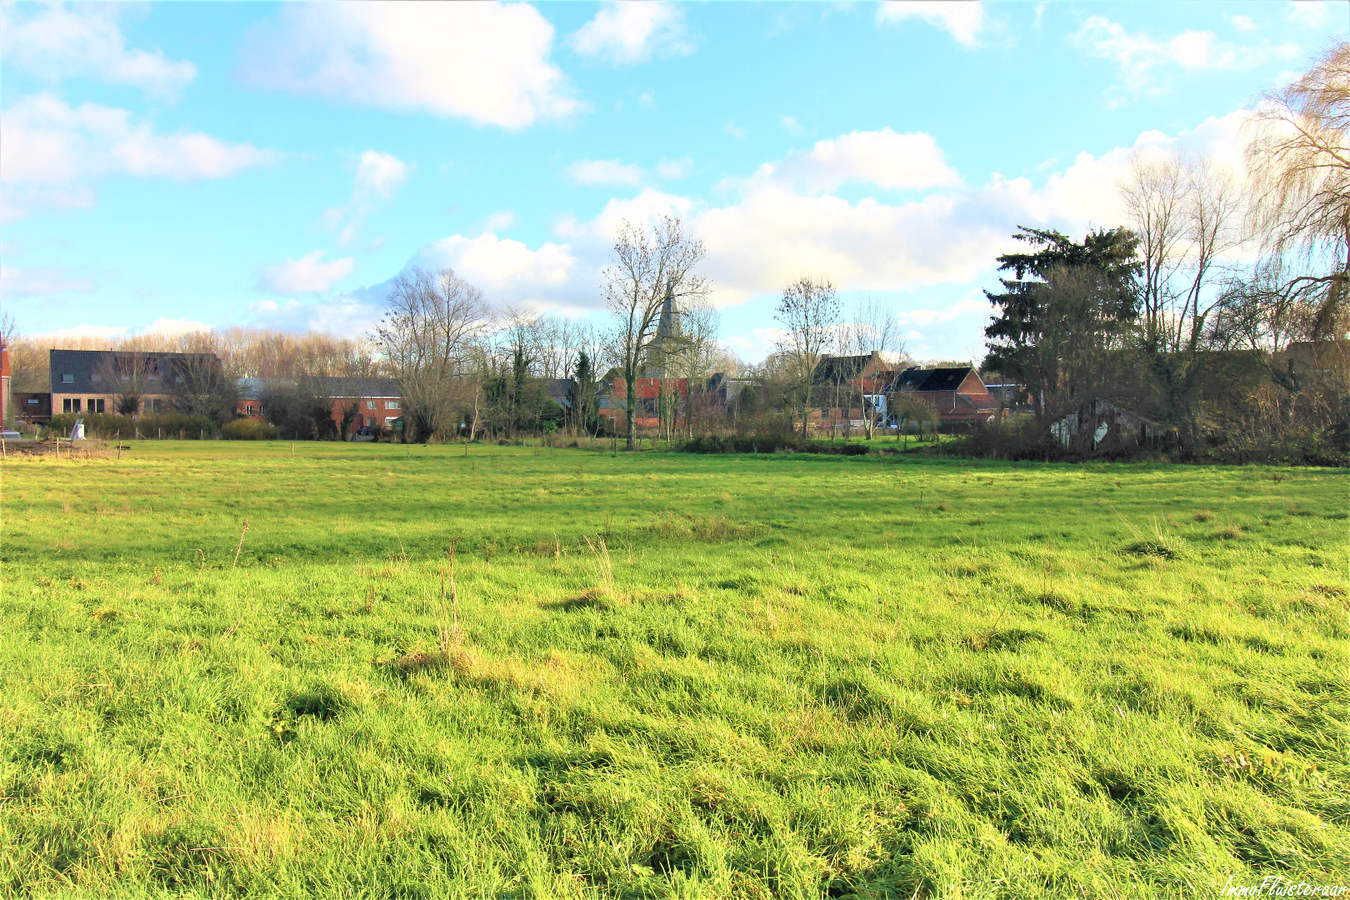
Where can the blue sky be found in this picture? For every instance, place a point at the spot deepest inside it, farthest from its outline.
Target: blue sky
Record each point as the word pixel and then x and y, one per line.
pixel 172 164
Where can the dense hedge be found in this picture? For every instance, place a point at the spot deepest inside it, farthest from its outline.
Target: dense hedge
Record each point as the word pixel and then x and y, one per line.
pixel 107 425
pixel 771 443
pixel 248 430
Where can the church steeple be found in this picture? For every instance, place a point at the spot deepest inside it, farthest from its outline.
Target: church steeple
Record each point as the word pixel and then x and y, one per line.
pixel 669 324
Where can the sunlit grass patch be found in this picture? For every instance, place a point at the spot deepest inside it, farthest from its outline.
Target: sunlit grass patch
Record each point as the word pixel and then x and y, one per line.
pixel 745 676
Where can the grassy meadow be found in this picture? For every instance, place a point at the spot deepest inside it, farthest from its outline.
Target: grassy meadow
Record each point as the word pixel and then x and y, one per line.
pixel 667 675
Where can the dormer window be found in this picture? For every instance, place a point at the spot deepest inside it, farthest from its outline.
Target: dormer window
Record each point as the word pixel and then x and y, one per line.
pixel 67 378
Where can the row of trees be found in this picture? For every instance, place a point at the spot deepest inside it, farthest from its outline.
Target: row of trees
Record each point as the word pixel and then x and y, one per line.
pixel 1186 315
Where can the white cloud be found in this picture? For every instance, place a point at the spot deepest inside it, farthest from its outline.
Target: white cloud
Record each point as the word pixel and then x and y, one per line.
pixel 775 229
pixel 484 62
pixel 50 149
pixel 507 271
pixel 962 19
pixel 378 178
pixel 177 326
pixel 86 330
pixel 790 124
pixel 307 275
pixel 499 222
pixel 1311 13
pixel 1143 61
pixel 346 314
pixel 632 32
pixel 29 282
pixel 603 171
pixel 57 42
pixel 883 158
pixel 735 131
pixel 675 168
pixel 1242 23
pixel 379 175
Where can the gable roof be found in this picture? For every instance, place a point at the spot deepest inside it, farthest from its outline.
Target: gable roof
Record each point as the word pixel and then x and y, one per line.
pixel 926 380
pixel 83 365
pixel 840 369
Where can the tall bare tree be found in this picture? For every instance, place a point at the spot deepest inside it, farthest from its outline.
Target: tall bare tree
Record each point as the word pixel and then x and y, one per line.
pixel 872 328
pixel 648 266
pixel 127 377
pixel 426 336
pixel 1299 158
pixel 809 313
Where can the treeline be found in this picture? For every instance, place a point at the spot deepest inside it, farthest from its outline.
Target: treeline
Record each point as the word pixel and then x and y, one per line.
pixel 1213 325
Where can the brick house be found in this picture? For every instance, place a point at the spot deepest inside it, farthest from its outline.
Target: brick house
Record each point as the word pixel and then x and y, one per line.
pixel 6 405
pixel 91 381
pixel 379 401
pixel 848 389
pixel 651 394
pixel 31 408
pixel 957 394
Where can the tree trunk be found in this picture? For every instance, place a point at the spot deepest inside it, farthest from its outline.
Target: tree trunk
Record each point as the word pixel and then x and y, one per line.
pixel 630 396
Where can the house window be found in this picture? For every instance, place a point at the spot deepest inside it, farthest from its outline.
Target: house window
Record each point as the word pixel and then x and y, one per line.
pixel 391 404
pixel 31 401
pixel 70 404
pixel 95 377
pixel 97 405
pixel 370 404
pixel 248 409
pixel 389 421
pixel 67 378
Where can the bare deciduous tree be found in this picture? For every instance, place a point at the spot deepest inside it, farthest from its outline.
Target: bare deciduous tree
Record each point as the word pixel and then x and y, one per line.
pixel 809 313
pixel 873 328
pixel 1300 161
pixel 126 375
pixel 426 337
pixel 648 266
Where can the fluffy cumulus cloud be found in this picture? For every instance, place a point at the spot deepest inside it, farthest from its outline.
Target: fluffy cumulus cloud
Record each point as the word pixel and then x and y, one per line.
pixel 356 312
pixel 1144 62
pixel 881 158
pixel 930 252
pixel 962 19
pixel 51 149
pixel 85 41
pixel 484 62
pixel 628 32
pixel 378 177
pixel 18 282
pixel 507 271
pixel 603 172
pixel 1313 13
pixel 309 274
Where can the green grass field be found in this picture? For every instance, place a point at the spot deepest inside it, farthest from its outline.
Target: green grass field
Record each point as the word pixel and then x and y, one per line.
pixel 674 676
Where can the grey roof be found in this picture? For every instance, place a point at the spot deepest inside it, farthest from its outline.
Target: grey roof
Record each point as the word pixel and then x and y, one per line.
pixel 83 365
pixel 924 380
pixel 359 388
pixel 337 388
pixel 559 390
pixel 839 369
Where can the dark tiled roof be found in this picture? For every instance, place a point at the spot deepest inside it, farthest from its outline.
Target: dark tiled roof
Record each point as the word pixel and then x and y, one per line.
pixel 559 390
pixel 924 380
pixel 839 369
pixel 358 387
pixel 83 365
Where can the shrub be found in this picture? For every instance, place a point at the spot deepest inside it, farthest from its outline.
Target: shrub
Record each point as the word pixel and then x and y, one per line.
pixel 248 430
pixel 771 443
pixel 107 425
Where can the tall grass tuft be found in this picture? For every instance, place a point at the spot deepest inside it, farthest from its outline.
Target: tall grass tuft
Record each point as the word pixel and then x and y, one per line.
pixel 237 549
pixel 604 566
